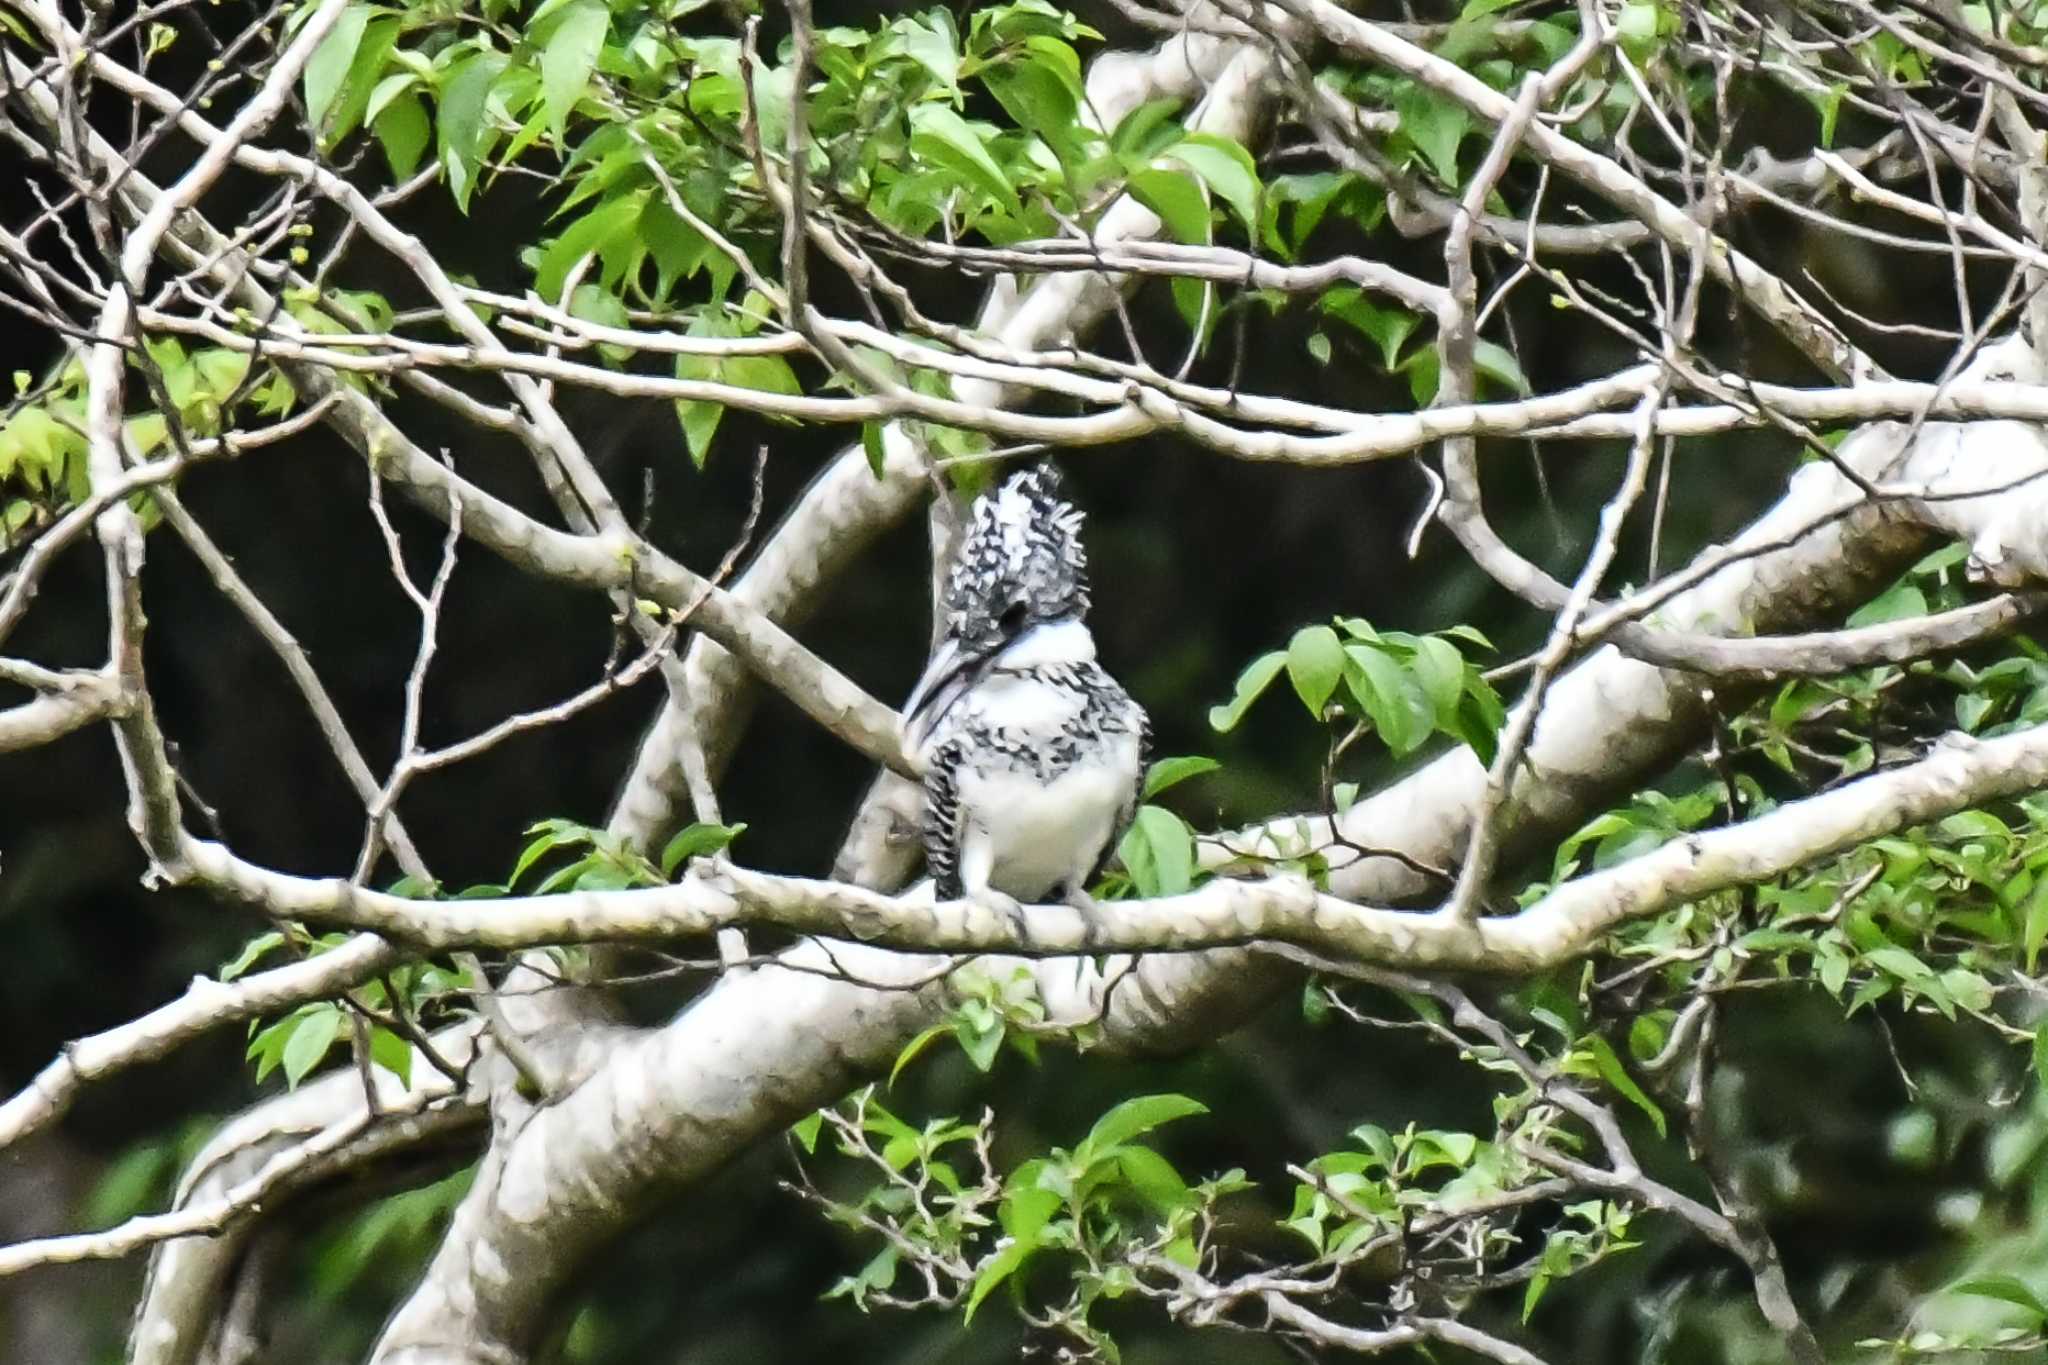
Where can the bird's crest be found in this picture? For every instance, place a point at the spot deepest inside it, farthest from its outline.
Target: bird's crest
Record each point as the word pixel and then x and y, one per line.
pixel 1022 548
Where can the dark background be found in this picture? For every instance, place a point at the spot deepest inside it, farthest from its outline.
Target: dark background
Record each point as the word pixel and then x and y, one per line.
pixel 1199 565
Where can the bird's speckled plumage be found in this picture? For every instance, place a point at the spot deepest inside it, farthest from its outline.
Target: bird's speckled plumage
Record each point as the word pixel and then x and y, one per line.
pixel 1033 753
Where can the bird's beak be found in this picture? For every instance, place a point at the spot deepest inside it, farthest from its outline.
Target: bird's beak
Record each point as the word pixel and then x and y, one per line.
pixel 944 677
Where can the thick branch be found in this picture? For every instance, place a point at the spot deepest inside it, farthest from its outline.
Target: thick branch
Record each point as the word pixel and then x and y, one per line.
pixel 206 1005
pixel 763 1048
pixel 1959 774
pixel 57 714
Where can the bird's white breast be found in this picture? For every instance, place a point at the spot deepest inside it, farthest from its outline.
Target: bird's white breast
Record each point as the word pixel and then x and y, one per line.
pixel 1055 642
pixel 1023 705
pixel 1041 834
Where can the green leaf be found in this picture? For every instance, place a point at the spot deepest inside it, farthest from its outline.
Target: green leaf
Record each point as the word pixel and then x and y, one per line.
pixel 1636 27
pixel 938 132
pixel 1615 1074
pixel 1226 168
pixel 1442 1149
pixel 1968 989
pixel 363 79
pixel 1158 850
pixel 403 130
pixel 1470 634
pixel 1195 300
pixel 773 91
pixel 1829 106
pixel 1389 328
pixel 878 1274
pixel 2034 929
pixel 462 130
pixel 1154 1178
pixel 871 443
pixel 1834 972
pixel 1480 718
pixel 2007 1289
pixel 1178 201
pixel 1401 716
pixel 393 1053
pixel 1312 195
pixel 1133 1118
pixel 694 841
pixel 327 70
pixel 1534 1293
pixel 1899 963
pixel 805 1130
pixel 679 250
pixel 389 89
pixel 1440 669
pixel 1034 92
pixel 932 45
pixel 769 373
pixel 1146 130
pixel 915 1046
pixel 1436 125
pixel 593 232
pixel 1647 1034
pixel 1027 1206
pixel 568 58
pixel 994 1271
pixel 1902 602
pixel 220 372
pixel 265 1045
pixel 251 951
pixel 1171 772
pixel 573 877
pixel 1315 665
pixel 700 423
pixel 1377 1142
pixel 1937 562
pixel 1498 363
pixel 980 1043
pixel 551 835
pixel 1250 683
pixel 310 1039
pixel 1057 57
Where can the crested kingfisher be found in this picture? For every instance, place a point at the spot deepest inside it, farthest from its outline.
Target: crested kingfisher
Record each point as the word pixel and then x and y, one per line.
pixel 1034 756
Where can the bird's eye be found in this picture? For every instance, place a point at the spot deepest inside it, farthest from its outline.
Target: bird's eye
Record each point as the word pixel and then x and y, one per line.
pixel 1012 619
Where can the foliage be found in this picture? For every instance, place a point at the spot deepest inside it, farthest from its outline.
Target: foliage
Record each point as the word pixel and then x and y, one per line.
pixel 1101 1209
pixel 1401 688
pixel 699 167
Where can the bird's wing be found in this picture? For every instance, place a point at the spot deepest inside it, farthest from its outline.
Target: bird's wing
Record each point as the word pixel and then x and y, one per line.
pixel 1143 723
pixel 942 818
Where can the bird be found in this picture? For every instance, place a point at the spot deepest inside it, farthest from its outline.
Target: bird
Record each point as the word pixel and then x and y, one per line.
pixel 1033 755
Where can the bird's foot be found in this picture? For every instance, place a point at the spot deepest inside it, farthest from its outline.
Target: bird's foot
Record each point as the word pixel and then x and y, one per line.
pixel 1090 910
pixel 1006 905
